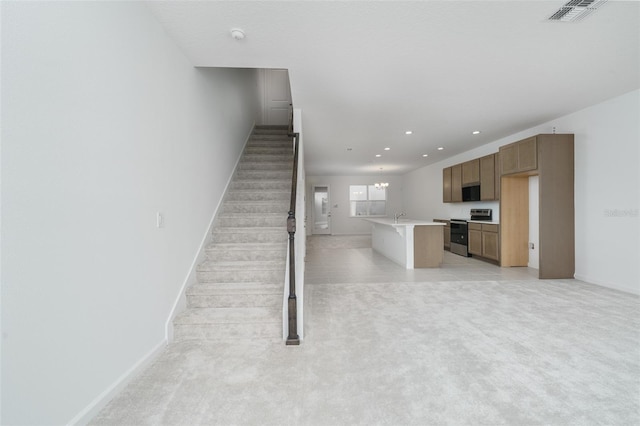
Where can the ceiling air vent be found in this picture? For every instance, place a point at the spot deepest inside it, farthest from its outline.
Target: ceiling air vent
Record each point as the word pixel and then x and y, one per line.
pixel 576 10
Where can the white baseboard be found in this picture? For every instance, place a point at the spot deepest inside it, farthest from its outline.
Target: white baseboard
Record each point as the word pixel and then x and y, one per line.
pixel 610 285
pixel 181 302
pixel 91 410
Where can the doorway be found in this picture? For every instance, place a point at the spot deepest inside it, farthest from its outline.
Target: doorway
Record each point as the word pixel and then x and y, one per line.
pixel 321 210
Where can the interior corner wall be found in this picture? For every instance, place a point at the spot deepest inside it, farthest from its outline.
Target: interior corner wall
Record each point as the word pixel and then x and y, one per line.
pixel 105 123
pixel 606 189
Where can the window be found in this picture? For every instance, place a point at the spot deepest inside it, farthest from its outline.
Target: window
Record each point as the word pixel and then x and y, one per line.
pixel 367 200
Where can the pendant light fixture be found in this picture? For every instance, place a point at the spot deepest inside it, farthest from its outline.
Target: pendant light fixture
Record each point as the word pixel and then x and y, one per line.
pixel 381 185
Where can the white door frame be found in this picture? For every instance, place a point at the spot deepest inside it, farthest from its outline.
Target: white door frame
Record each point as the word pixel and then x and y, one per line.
pixel 315 231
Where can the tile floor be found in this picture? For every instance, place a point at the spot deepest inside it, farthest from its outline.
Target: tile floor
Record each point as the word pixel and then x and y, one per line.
pixel 469 343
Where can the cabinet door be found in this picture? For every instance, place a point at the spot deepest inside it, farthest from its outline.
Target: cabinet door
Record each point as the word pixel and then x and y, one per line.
pixel 508 159
pixel 446 185
pixel 496 162
pixel 475 242
pixel 487 178
pixel 527 155
pixel 490 248
pixel 471 172
pixel 456 183
pixel 447 237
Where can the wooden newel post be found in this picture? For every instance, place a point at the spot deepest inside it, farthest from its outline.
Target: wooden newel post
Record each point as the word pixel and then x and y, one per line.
pixel 293 338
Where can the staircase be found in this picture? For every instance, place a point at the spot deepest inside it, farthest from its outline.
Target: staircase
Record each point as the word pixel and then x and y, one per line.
pixel 239 293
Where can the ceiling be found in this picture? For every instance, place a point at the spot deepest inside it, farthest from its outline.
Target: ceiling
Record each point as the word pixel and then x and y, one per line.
pixel 364 72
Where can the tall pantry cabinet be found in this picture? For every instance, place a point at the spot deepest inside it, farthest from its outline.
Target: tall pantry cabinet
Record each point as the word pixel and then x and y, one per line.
pixel 551 158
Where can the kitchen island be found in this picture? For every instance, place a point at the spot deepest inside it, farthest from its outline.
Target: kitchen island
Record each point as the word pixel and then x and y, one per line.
pixel 410 243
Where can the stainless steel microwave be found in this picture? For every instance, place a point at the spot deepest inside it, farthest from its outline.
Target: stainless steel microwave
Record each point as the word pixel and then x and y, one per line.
pixel 471 193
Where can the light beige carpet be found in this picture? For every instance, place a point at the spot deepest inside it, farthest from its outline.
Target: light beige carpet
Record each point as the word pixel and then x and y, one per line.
pixel 465 344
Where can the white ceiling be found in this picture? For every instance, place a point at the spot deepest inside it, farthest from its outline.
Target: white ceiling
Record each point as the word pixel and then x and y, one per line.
pixel 363 72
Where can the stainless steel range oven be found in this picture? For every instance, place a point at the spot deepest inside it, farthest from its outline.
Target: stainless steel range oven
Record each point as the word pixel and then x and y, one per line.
pixel 459 236
pixel 460 231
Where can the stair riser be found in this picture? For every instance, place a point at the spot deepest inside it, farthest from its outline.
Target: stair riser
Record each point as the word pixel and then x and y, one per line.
pixel 277 133
pixel 277 145
pixel 268 277
pixel 258 196
pixel 227 238
pixel 271 208
pixel 234 301
pixel 267 158
pixel 264 174
pixel 241 267
pixel 280 185
pixel 245 255
pixel 239 221
pixel 182 332
pixel 269 150
pixel 247 252
pixel 264 166
pixel 271 136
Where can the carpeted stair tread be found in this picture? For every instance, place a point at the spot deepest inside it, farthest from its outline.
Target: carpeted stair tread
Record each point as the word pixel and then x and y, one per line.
pixel 247 246
pixel 235 288
pixel 250 230
pixel 259 314
pixel 242 265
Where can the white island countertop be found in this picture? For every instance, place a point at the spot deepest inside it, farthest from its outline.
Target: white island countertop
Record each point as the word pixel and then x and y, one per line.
pixel 403 222
pixel 412 243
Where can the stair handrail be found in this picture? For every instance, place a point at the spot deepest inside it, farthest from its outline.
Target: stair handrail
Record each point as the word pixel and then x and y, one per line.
pixel 293 338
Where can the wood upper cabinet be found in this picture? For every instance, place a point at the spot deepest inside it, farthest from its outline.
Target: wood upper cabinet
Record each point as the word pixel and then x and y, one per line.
pixel 483 171
pixel 496 163
pixel 456 183
pixel 518 157
pixel 446 185
pixel 471 172
pixel 488 178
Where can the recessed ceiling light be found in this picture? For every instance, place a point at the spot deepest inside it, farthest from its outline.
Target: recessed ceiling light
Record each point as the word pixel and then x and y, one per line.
pixel 425 155
pixel 476 132
pixel 408 132
pixel 440 148
pixel 378 155
pixel 387 149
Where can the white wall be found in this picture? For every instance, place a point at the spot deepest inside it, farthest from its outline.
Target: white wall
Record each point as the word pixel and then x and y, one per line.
pixel 606 189
pixel 104 123
pixel 341 222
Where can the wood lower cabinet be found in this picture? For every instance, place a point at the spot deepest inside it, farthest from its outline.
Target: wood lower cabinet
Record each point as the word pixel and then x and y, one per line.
pixel 490 242
pixel 484 241
pixel 475 239
pixel 446 233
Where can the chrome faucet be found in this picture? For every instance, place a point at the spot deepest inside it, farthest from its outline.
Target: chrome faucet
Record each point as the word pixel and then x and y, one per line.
pixel 396 216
